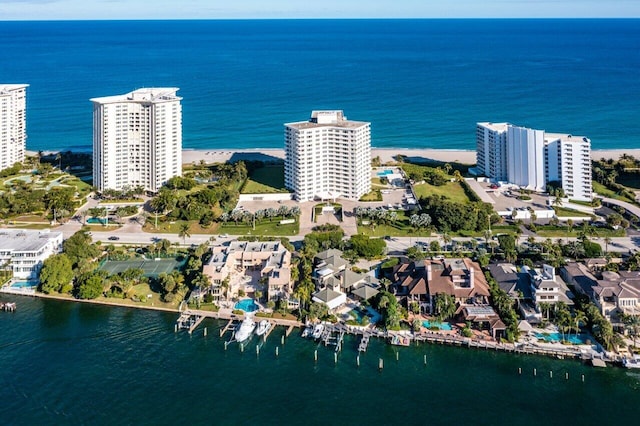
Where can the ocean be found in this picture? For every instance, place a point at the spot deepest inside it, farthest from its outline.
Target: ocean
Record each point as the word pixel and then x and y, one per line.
pixel 72 363
pixel 421 83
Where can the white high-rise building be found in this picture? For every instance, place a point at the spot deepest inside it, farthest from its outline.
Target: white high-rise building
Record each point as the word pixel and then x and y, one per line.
pixel 13 123
pixel 525 157
pixel 568 161
pixel 491 150
pixel 328 157
pixel 532 158
pixel 137 139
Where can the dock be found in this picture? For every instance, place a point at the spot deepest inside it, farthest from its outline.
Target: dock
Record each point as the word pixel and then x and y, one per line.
pixel 364 343
pixel 189 321
pixel 271 328
pixel 8 306
pixel 230 325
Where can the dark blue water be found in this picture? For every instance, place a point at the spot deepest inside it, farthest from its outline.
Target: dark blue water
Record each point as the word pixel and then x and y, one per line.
pixel 70 363
pixel 422 83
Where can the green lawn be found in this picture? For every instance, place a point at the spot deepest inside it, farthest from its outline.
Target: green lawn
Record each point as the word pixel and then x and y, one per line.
pixel 264 228
pixel 451 190
pixel 265 180
pixel 564 212
pixel 548 231
pixel 174 228
pixel 606 192
pixel 374 195
pixel 400 228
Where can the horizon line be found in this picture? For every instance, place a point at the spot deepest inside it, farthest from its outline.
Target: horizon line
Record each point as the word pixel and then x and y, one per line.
pixel 502 18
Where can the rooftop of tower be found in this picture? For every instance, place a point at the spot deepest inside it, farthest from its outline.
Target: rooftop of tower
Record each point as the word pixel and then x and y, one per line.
pixel 149 94
pixel 329 118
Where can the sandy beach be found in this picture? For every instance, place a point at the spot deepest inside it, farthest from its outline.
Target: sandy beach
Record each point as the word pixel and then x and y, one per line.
pixel 191 156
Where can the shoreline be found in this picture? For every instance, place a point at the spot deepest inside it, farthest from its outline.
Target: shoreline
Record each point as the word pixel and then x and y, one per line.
pixel 194 156
pixel 462 156
pixel 429 337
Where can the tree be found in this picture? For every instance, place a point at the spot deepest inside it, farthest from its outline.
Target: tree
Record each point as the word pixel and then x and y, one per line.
pixel 508 245
pixel 318 310
pixel 445 306
pixel 90 286
pixel 78 247
pixel 579 317
pixel 56 274
pixel 184 232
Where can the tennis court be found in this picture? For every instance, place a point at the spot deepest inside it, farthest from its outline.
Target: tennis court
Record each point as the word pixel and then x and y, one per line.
pixel 150 267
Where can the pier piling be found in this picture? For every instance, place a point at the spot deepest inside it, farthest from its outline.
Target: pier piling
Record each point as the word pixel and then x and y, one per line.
pixel 397 356
pixel 276 351
pixel 534 372
pixel 175 328
pixel 358 360
pixel 583 378
pixel 205 332
pixel 425 360
pixel 566 376
pixel 551 374
pixel 225 345
pixel 257 350
pixel 335 357
pixel 282 340
pixel 315 355
pixel 519 370
pixel 380 364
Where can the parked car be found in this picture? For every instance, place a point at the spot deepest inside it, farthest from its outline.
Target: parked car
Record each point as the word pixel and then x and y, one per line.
pixel 113 238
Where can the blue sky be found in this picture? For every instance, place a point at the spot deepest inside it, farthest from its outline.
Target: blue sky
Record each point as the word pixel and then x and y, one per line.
pixel 236 9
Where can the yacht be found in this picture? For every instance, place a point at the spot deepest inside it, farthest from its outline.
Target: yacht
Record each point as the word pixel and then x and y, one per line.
pixel 308 331
pixel 633 362
pixel 263 327
pixel 245 329
pixel 317 331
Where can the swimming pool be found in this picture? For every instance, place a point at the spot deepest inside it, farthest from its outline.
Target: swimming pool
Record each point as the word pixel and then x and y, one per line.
pixel 24 284
pixel 386 172
pixel 434 324
pixel 95 220
pixel 247 305
pixel 580 339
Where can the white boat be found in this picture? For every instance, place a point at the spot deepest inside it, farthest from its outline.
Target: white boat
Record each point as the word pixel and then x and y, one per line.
pixel 308 331
pixel 263 327
pixel 245 329
pixel 633 362
pixel 317 331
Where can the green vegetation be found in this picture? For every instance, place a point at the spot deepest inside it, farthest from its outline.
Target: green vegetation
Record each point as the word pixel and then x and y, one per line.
pixel 451 216
pixel 548 231
pixel 373 195
pixel 267 179
pixel 565 212
pixel 261 228
pixel 505 308
pixel 451 190
pixel 364 246
pixel 383 222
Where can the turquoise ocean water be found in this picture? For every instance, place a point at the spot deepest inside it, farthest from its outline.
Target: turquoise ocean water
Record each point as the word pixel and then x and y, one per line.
pixel 71 363
pixel 422 83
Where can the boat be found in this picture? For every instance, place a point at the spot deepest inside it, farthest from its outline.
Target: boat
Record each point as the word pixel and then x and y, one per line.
pixel 633 362
pixel 308 331
pixel 317 331
pixel 245 329
pixel 263 327
pixel 400 340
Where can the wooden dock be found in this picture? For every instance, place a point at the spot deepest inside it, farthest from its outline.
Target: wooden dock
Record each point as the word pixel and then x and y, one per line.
pixel 272 327
pixel 364 342
pixel 231 324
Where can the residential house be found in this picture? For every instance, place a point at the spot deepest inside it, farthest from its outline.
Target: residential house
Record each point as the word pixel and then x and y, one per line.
pixel 461 278
pixel 24 251
pixel 251 265
pixel 547 287
pixel 614 293
pixel 409 283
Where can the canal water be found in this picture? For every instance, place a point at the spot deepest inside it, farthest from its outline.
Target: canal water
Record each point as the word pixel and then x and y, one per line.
pixel 71 363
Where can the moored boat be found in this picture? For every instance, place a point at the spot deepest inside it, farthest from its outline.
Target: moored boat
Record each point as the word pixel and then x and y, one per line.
pixel 317 331
pixel 633 362
pixel 263 327
pixel 400 340
pixel 308 331
pixel 245 329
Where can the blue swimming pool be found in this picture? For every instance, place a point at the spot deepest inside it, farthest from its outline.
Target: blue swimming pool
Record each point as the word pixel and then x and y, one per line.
pixel 580 339
pixel 96 220
pixel 434 324
pixel 247 305
pixel 24 284
pixel 386 172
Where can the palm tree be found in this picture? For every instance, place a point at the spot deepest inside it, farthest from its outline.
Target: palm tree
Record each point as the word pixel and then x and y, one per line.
pixel 184 232
pixel 446 239
pixel 579 317
pixel 607 240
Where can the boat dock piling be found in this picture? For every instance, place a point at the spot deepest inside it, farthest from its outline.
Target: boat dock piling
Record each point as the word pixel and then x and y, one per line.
pixel 289 330
pixel 226 328
pixel 188 321
pixel 8 306
pixel 364 342
pixel 265 335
